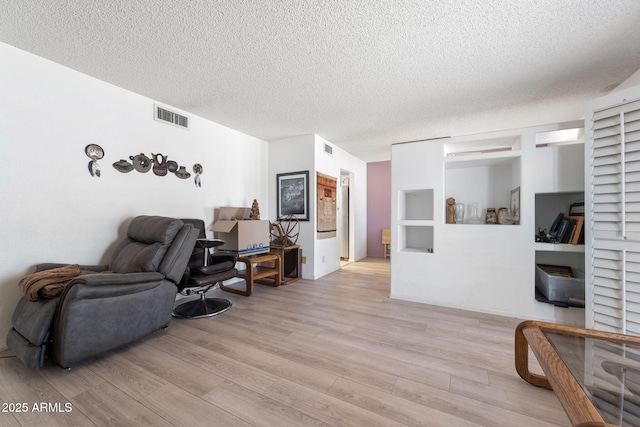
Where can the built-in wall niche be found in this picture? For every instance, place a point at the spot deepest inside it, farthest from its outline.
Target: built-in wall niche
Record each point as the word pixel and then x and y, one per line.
pixel 567 292
pixel 415 220
pixel 549 205
pixel 490 180
pixel 415 238
pixel 560 164
pixel 415 205
pixel 482 146
pixel 559 137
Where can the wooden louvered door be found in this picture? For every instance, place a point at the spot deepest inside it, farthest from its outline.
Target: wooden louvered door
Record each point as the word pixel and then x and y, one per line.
pixel 613 216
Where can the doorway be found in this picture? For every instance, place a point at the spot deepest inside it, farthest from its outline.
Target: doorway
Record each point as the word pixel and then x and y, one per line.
pixel 345 217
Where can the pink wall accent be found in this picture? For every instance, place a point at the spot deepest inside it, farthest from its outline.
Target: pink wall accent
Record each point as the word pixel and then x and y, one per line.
pixel 378 205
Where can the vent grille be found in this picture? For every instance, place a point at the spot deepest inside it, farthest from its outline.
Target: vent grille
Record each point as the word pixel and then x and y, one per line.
pixel 166 116
pixel 328 149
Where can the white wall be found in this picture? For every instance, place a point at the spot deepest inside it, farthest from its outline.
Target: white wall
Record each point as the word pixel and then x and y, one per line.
pixel 306 152
pixel 485 268
pixel 54 210
pixel 633 80
pixel 327 254
pixel 294 155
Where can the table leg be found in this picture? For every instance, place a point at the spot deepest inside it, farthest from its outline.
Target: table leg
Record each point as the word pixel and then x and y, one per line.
pixel 248 278
pixel 522 360
pixel 277 278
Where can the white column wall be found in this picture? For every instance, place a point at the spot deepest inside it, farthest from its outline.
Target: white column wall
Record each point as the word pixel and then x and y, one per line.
pixel 306 152
pixel 485 268
pixel 295 154
pixel 327 254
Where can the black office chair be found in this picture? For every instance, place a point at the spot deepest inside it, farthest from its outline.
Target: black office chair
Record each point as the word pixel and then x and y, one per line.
pixel 204 272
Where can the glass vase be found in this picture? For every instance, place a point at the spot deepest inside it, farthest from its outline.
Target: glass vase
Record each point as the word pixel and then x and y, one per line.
pixel 475 219
pixel 459 213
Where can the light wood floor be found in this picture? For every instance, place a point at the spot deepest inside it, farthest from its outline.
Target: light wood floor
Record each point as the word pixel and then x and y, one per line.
pixel 336 351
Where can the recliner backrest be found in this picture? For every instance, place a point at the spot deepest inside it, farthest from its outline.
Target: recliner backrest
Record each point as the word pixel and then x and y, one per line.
pixel 154 243
pixel 175 261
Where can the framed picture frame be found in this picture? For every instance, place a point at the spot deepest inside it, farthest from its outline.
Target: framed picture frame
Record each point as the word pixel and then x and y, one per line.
pixel 576 209
pixel 515 205
pixel 327 209
pixel 293 195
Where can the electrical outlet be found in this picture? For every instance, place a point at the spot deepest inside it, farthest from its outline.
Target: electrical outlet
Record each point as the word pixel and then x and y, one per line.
pixel 323 259
pixel 304 259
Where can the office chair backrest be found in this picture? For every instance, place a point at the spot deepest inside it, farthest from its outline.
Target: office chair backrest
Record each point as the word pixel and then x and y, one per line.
pixel 197 257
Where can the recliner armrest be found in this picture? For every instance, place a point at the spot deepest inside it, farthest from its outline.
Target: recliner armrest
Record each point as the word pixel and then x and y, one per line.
pixel 100 279
pixel 112 284
pixel 50 265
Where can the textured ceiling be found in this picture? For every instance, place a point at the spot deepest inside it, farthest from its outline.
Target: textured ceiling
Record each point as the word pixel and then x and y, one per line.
pixel 362 74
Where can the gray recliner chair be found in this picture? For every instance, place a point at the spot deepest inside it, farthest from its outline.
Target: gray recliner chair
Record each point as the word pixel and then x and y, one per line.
pixel 118 304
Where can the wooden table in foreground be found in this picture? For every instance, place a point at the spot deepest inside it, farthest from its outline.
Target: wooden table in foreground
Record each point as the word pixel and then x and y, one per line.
pixel 255 271
pixel 595 374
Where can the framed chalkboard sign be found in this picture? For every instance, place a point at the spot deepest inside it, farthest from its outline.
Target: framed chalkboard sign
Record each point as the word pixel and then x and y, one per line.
pixel 293 195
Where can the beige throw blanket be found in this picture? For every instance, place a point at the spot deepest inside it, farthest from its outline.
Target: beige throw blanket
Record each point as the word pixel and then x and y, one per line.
pixel 49 283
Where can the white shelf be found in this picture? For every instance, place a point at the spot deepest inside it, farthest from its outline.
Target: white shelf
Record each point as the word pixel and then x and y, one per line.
pixel 480 160
pixel 559 247
pixel 415 223
pixel 466 147
pixel 417 250
pixel 482 225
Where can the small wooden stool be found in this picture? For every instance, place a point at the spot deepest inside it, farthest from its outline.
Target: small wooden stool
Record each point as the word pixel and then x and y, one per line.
pixel 386 241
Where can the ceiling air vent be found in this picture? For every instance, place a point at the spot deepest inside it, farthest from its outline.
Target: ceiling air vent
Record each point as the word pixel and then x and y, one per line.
pixel 328 149
pixel 164 115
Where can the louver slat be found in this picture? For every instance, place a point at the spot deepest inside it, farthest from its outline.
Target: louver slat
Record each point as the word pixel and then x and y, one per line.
pixel 632 293
pixel 628 107
pixel 607 289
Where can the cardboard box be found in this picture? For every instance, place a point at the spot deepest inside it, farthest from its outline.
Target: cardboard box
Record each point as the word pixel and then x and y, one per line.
pixel 241 236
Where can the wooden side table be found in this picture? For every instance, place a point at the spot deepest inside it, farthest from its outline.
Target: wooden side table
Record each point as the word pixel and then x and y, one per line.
pixel 288 255
pixel 254 271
